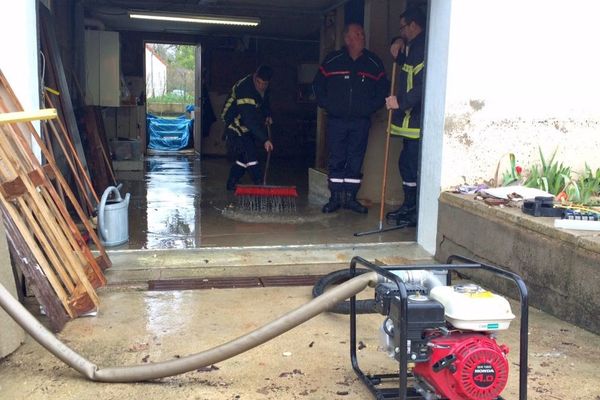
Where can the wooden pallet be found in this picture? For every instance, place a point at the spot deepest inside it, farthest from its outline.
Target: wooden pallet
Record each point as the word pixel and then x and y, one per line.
pixel 32 203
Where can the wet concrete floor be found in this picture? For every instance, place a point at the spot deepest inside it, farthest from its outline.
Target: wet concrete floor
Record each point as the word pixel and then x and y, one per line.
pixel 179 201
pixel 308 362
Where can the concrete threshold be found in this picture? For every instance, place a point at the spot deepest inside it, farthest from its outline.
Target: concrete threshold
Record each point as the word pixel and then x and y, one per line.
pixel 135 267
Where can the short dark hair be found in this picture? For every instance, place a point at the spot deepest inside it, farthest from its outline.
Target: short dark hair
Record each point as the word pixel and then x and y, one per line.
pixel 264 72
pixel 348 25
pixel 416 15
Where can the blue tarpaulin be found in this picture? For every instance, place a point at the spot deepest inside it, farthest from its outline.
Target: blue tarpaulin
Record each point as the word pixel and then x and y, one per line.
pixel 168 133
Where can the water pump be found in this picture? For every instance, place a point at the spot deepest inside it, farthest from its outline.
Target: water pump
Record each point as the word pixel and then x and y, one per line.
pixel 442 335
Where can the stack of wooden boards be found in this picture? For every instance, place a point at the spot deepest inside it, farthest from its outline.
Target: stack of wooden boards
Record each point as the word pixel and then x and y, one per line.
pixel 45 242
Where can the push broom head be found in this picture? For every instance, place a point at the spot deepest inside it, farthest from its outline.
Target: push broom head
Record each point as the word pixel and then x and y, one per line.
pixel 277 199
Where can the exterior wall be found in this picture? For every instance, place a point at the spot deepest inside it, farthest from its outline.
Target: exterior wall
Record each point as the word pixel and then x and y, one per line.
pixel 156 75
pixel 19 63
pixel 518 76
pixel 521 75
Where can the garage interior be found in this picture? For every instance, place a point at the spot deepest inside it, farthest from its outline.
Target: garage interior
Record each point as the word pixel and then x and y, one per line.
pixel 188 211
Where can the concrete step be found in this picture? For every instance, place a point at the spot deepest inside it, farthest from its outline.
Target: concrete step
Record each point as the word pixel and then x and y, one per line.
pixel 133 268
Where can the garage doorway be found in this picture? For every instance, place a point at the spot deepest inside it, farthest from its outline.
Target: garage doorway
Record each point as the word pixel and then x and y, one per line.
pixel 172 83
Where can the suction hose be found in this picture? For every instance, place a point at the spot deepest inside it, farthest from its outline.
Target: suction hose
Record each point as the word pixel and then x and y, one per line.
pixel 206 358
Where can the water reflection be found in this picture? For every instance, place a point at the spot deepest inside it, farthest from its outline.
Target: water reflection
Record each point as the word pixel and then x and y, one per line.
pixel 173 202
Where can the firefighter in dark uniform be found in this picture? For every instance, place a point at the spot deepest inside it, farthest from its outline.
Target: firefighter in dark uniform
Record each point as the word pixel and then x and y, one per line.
pixel 246 114
pixel 350 85
pixel 409 51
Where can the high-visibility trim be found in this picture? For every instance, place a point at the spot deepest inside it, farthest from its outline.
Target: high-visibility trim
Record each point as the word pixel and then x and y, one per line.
pixel 409 184
pixel 332 73
pixel 352 180
pixel 228 104
pixel 247 100
pixel 405 131
pixel 411 71
pixel 235 129
pixel 251 163
pixel 371 76
pixel 241 164
pixel 336 180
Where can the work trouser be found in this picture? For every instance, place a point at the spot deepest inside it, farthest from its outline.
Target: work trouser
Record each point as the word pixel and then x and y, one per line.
pixel 408 164
pixel 246 158
pixel 347 140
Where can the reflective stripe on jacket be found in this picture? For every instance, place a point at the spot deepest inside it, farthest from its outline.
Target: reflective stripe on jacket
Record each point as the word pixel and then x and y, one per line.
pixel 348 88
pixel 245 109
pixel 406 121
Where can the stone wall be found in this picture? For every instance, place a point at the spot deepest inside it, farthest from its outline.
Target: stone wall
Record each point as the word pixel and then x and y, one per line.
pixel 560 267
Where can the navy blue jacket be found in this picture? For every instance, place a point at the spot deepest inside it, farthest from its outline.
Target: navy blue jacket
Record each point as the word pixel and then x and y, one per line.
pixel 245 110
pixel 348 88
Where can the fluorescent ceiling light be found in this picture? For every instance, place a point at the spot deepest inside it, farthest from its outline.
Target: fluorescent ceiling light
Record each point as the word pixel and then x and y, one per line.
pixel 197 19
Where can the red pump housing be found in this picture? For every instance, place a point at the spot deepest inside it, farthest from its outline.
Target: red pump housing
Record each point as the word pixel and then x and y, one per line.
pixel 465 366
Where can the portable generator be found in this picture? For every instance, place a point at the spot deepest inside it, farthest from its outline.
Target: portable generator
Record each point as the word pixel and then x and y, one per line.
pixel 442 335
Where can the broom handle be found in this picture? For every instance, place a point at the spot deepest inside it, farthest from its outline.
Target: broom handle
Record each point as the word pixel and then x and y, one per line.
pixel 268 157
pixel 387 149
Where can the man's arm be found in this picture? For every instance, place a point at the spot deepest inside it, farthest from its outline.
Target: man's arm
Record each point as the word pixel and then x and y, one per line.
pixel 320 87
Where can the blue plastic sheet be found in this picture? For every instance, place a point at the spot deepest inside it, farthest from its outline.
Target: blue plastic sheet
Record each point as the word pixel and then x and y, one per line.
pixel 168 133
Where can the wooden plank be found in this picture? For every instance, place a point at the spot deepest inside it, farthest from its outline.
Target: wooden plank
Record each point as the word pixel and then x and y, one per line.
pixel 102 176
pixel 9 101
pixel 25 260
pixel 32 222
pixel 16 187
pixel 54 63
pixel 26 116
pixel 81 168
pixel 43 224
pixel 83 190
pixel 38 255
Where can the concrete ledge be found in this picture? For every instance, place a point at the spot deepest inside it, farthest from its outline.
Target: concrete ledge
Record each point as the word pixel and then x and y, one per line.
pixel 135 266
pixel 560 267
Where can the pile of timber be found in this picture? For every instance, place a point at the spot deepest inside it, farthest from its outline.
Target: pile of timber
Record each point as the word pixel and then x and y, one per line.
pixel 44 240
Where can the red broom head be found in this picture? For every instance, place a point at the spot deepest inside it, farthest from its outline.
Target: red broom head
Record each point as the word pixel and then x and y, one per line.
pixel 266 191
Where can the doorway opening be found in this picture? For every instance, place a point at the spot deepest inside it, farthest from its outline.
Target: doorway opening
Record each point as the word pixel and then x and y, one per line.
pixel 170 96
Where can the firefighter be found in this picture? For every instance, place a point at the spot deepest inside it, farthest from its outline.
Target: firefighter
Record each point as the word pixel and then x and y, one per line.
pixel 246 114
pixel 350 85
pixel 409 52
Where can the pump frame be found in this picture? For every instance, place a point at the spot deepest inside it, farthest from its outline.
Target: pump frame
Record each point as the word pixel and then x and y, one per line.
pixel 409 393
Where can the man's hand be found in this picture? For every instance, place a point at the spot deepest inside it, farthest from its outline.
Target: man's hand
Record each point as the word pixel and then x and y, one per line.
pixel 391 103
pixel 268 146
pixel 397 47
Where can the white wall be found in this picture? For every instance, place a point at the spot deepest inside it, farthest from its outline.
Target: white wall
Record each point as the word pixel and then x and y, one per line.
pixel 18 47
pixel 521 74
pixel 506 76
pixel 433 125
pixel 156 75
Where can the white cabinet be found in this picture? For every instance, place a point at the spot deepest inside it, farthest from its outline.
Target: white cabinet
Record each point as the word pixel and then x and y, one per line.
pixel 102 63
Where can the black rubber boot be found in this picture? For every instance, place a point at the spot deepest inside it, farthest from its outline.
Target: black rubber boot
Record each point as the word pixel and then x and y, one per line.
pixel 408 220
pixel 409 206
pixel 352 204
pixel 235 174
pixel 334 203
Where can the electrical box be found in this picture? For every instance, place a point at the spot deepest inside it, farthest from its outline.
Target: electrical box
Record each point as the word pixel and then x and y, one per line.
pixel 102 68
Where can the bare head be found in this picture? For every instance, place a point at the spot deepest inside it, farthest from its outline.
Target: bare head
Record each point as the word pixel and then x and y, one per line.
pixel 354 38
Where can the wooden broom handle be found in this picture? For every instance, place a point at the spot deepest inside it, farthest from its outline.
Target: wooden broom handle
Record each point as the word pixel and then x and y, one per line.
pixel 268 156
pixel 387 149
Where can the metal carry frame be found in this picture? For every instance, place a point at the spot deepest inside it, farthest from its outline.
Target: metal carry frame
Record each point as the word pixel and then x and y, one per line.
pixel 404 392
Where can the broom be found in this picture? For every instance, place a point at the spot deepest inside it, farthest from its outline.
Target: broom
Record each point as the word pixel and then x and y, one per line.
pixel 266 198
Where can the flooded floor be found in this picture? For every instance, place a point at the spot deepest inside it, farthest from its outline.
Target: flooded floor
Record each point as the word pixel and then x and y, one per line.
pixel 179 201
